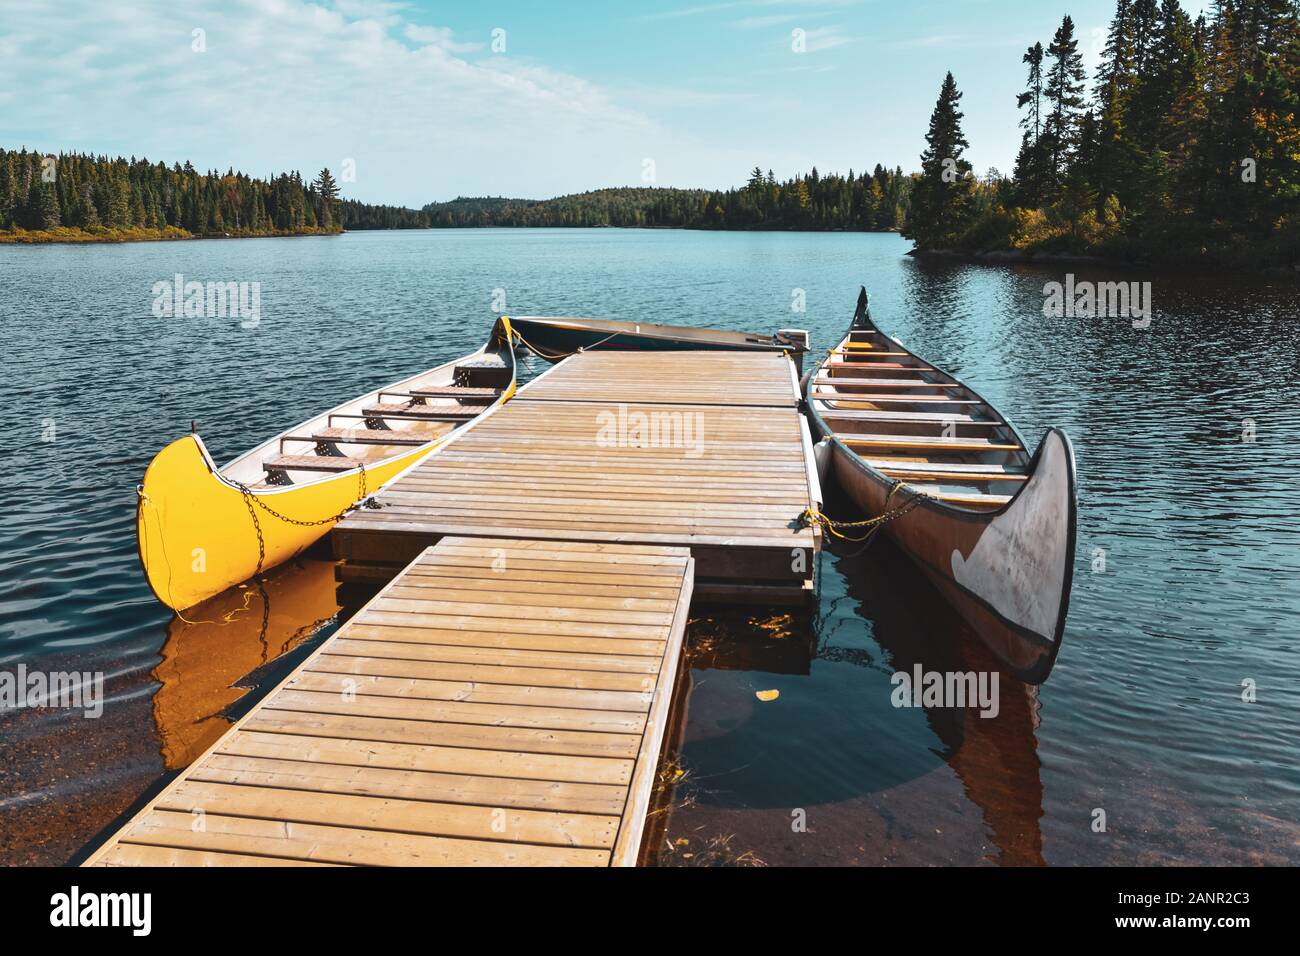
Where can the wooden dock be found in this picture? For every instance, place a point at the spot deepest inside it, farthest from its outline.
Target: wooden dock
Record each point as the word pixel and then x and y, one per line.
pixel 703 450
pixel 499 702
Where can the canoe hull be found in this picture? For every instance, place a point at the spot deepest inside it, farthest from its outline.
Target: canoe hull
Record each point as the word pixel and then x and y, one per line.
pixel 196 537
pixel 554 341
pixel 1007 572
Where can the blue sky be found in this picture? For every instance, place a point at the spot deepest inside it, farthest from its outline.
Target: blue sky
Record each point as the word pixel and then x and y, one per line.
pixel 582 95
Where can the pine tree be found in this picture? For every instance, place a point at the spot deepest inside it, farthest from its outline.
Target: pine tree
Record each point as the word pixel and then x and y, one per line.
pixel 1031 162
pixel 1115 79
pixel 327 192
pixel 1063 90
pixel 1268 94
pixel 1032 122
pixel 1145 27
pixel 1167 106
pixel 941 207
pixel 1140 120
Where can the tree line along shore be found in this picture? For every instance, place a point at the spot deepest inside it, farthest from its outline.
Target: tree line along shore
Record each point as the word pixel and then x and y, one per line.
pixel 78 197
pixel 1185 152
pixel 75 197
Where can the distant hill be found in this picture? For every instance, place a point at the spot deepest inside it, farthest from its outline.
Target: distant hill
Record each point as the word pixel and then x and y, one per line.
pixel 875 201
pixel 627 206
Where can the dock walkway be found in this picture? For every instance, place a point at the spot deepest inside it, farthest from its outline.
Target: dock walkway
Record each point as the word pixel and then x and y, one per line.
pixel 705 450
pixel 499 702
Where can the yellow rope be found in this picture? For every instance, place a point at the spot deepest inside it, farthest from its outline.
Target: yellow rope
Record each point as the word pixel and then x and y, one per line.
pixel 553 356
pixel 813 517
pixel 550 357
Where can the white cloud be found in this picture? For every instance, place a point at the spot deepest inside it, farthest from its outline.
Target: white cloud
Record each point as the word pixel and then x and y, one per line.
pixel 826 38
pixel 441 37
pixel 944 40
pixel 775 19
pixel 371 9
pixel 707 8
pixel 287 84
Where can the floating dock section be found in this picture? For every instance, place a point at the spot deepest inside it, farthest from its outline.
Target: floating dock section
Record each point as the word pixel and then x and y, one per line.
pixel 500 702
pixel 702 450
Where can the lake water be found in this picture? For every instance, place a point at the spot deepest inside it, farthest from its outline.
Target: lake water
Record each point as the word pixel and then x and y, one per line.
pixel 1185 577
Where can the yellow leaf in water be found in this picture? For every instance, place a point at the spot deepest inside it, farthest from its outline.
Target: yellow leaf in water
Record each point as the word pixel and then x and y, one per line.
pixel 767 694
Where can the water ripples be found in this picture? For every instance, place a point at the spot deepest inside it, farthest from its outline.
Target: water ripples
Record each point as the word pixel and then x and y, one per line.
pixel 1144 714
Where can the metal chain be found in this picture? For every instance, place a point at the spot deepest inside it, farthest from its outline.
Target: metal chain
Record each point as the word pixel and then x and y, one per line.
pixel 250 499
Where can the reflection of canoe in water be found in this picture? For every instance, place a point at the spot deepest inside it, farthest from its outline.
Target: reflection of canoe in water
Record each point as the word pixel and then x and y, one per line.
pixel 992 527
pixel 995 758
pixel 202 529
pixel 556 338
pixel 226 639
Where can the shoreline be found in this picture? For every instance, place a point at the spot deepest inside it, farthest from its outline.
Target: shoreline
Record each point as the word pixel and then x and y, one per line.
pixel 77 236
pixel 74 236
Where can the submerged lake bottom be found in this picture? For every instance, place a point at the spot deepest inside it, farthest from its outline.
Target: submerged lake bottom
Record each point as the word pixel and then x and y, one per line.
pixel 788 749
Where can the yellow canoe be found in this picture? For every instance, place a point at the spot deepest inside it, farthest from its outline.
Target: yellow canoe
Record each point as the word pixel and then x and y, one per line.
pixel 202 529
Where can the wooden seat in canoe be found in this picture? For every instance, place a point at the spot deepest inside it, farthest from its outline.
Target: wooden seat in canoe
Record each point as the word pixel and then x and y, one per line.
pixel 361 436
pixel 884 399
pixel 889 463
pixel 868 366
pixel 311 463
pixel 921 441
pixel 419 398
pixel 908 418
pixel 428 412
pixel 483 396
pixel 843 381
pixel 958 477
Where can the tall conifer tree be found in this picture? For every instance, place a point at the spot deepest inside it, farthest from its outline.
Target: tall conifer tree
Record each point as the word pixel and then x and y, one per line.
pixel 941 208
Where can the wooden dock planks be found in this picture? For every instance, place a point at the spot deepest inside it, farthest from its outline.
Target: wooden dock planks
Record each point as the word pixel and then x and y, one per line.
pixel 684 378
pixel 697 449
pixel 500 702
